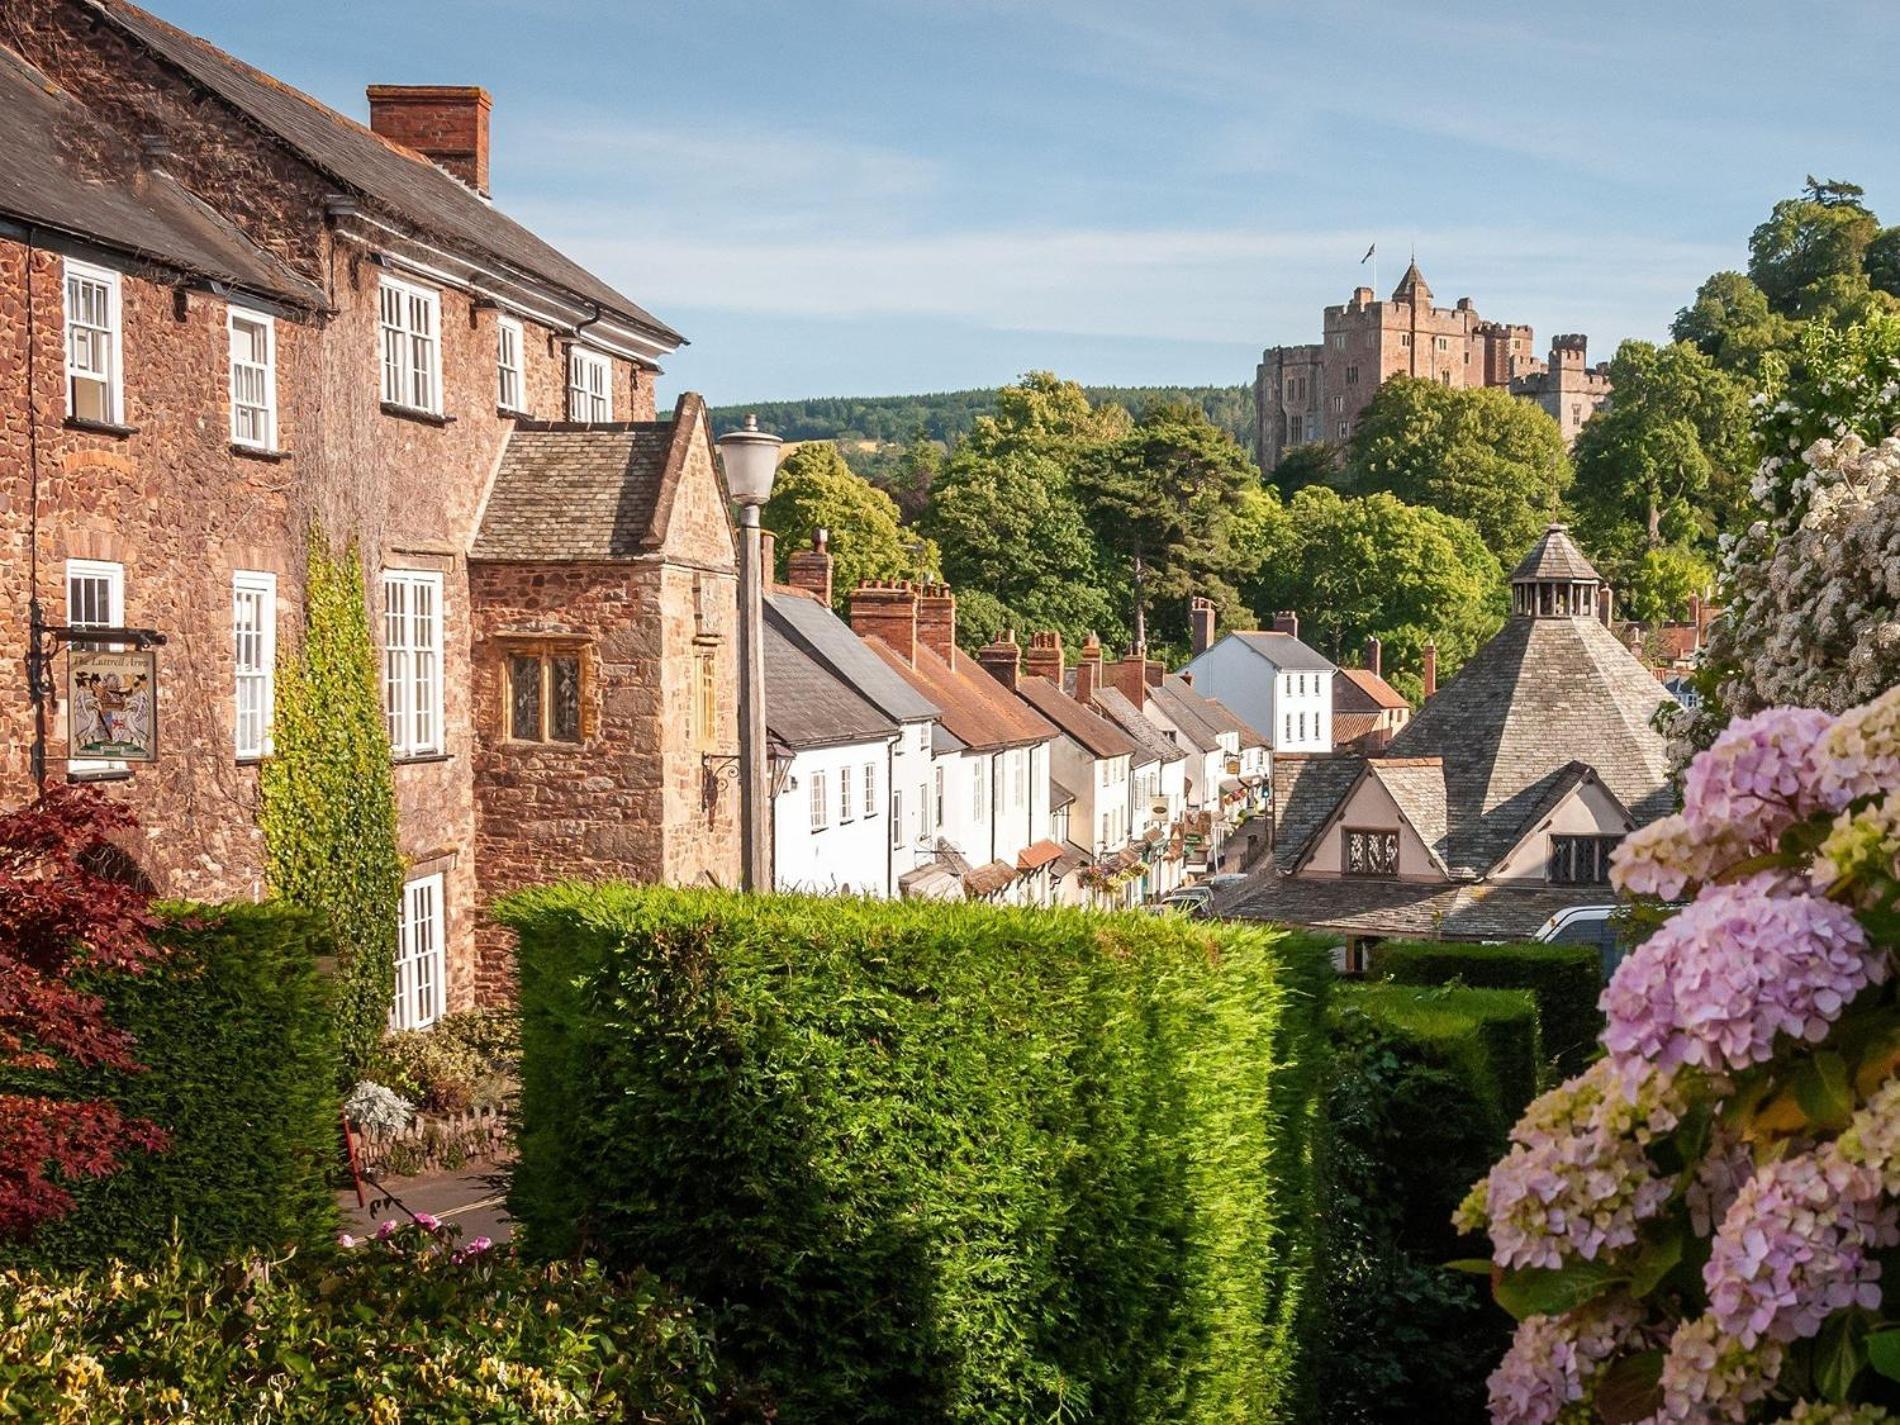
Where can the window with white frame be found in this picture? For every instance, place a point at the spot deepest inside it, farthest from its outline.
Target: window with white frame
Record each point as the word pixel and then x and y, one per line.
pixel 870 789
pixel 412 346
pixel 923 811
pixel 820 801
pixel 94 389
pixel 419 955
pixel 508 390
pixel 95 598
pixel 590 392
pixel 1019 779
pixel 412 661
pixel 897 816
pixel 937 819
pixel 254 646
pixel 253 379
pixel 978 772
pixel 847 808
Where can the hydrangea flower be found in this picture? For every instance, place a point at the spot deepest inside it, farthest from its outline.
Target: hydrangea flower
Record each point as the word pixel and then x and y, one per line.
pixel 1872 1136
pixel 1864 845
pixel 1716 1182
pixel 1807 1412
pixel 1671 854
pixel 1551 1362
pixel 1577 1180
pixel 1708 1376
pixel 1723 978
pixel 1860 756
pixel 1757 779
pixel 1798 1245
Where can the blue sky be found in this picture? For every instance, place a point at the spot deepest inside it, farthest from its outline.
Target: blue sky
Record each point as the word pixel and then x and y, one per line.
pixel 841 197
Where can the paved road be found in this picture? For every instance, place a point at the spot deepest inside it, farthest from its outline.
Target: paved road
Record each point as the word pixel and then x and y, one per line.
pixel 473 1199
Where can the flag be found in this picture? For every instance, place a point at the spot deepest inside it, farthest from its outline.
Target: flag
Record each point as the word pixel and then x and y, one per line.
pixel 1368 257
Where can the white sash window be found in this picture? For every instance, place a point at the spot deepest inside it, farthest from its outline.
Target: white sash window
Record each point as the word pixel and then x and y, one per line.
pixel 254 642
pixel 412 349
pixel 508 365
pixel 419 955
pixel 253 379
pixel 412 661
pixel 590 392
pixel 93 385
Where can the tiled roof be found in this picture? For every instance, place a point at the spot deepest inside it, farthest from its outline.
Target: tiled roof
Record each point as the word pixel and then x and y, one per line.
pixel 808 705
pixel 62 169
pixel 1226 719
pixel 1356 730
pixel 1115 706
pixel 1059 796
pixel 1542 694
pixel 1417 786
pixel 1187 710
pixel 571 491
pixel 1305 791
pixel 395 178
pixel 976 708
pixel 988 880
pixel 1362 690
pixel 1042 853
pixel 1093 731
pixel 1425 910
pixel 830 639
pixel 1554 557
pixel 1283 650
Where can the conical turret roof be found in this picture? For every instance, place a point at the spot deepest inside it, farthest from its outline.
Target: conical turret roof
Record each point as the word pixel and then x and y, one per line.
pixel 1555 558
pixel 1412 286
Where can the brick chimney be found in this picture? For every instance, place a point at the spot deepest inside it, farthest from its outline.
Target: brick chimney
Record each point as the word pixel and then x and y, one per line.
pixel 937 621
pixel 445 123
pixel 1375 656
pixel 1695 617
pixel 1087 674
pixel 1129 677
pixel 1200 624
pixel 810 569
pixel 887 608
pixel 1286 621
pixel 768 557
pixel 1606 604
pixel 1002 659
pixel 1431 669
pixel 1045 657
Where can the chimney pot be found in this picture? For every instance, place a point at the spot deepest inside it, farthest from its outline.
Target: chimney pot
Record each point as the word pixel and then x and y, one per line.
pixel 1287 621
pixel 445 123
pixel 1002 659
pixel 1045 658
pixel 936 619
pixel 881 609
pixel 811 569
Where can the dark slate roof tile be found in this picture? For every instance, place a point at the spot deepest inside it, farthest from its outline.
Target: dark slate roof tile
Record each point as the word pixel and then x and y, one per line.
pixel 807 705
pixel 570 491
pixel 829 638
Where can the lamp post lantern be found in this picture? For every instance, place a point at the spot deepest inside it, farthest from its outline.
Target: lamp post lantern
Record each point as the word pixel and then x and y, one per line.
pixel 750 458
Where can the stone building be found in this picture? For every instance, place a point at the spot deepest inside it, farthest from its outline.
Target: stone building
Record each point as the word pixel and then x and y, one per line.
pixel 1319 391
pixel 230 313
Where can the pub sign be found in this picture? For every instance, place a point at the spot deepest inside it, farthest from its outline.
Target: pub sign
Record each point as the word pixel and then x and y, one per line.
pixel 113 707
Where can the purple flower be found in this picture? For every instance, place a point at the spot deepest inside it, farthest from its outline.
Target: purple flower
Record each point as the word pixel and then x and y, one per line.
pixel 477 1246
pixel 387 1230
pixel 1860 756
pixel 1551 1362
pixel 426 1222
pixel 1759 777
pixel 1798 1245
pixel 345 1240
pixel 1723 978
pixel 1710 1378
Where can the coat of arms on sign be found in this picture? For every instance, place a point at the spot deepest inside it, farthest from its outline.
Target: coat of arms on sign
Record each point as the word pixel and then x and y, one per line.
pixel 114 704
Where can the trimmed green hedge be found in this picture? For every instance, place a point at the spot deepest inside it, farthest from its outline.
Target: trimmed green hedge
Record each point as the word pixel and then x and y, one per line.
pixel 240 1049
pixel 1567 980
pixel 1413 1119
pixel 936 1162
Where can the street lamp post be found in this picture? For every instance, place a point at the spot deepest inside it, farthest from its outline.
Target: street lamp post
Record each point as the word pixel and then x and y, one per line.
pixel 750 457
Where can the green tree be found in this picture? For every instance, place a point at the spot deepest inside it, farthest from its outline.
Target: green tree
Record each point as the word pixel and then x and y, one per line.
pixel 917 467
pixel 329 799
pixel 1730 321
pixel 1668 462
pixel 1883 262
pixel 1822 234
pixel 1664 580
pixel 1016 548
pixel 1049 416
pixel 1162 501
pixel 1476 453
pixel 1354 566
pixel 1317 462
pixel 816 490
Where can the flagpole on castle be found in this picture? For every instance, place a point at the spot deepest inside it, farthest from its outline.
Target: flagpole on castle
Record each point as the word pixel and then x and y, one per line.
pixel 1372 256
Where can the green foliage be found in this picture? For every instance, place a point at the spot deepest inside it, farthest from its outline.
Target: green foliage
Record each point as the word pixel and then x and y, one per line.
pixel 1805 242
pixel 389 1331
pixel 816 490
pixel 1489 1037
pixel 1316 462
pixel 1664 582
pixel 1353 567
pixel 1667 463
pixel 329 799
pixel 1834 382
pixel 1730 321
pixel 1477 453
pixel 1408 1129
pixel 1565 979
pixel 466 1059
pixel 934 1161
pixel 236 1031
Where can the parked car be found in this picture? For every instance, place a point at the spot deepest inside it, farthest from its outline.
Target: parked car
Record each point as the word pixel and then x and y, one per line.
pixel 1197 902
pixel 1586 925
pixel 1226 880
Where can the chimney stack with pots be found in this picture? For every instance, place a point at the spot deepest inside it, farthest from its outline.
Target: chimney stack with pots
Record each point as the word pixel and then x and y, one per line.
pixel 937 621
pixel 810 569
pixel 1287 621
pixel 1200 624
pixel 1045 658
pixel 1431 669
pixel 445 123
pixel 887 609
pixel 1375 656
pixel 1002 659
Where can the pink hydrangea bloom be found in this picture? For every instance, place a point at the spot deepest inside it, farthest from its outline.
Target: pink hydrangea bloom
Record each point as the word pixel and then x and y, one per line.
pixel 1872 1137
pixel 1807 1412
pixel 1860 756
pixel 1717 984
pixel 1716 1182
pixel 345 1241
pixel 1758 778
pixel 1551 1362
pixel 1798 1245
pixel 1710 1378
pixel 427 1222
pixel 1671 854
pixel 386 1230
pixel 1577 1181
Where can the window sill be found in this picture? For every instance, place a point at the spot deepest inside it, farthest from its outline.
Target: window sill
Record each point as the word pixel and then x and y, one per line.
pixel 421 759
pixel 258 452
pixel 415 413
pixel 510 413
pixel 120 774
pixel 111 428
pixel 529 744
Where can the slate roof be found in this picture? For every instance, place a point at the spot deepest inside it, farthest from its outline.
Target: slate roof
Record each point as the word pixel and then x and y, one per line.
pixel 1114 705
pixel 1226 719
pixel 395 178
pixel 1417 786
pixel 62 169
pixel 1188 711
pixel 1362 690
pixel 1283 650
pixel 825 636
pixel 1305 791
pixel 1543 694
pixel 567 490
pixel 1093 731
pixel 1059 796
pixel 807 705
pixel 1412 286
pixel 1554 557
pixel 1412 909
pixel 975 708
